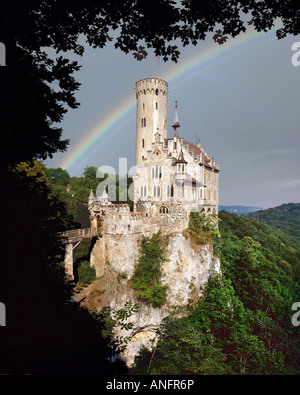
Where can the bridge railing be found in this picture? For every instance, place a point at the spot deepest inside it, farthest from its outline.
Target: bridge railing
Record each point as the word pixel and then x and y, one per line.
pixel 87 232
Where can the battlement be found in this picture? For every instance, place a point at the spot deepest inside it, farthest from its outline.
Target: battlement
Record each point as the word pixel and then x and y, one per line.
pixel 151 85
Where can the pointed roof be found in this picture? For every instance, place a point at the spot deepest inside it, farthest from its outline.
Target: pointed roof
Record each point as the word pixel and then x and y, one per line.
pixel 181 158
pixel 176 123
pixel 104 195
pixel 91 196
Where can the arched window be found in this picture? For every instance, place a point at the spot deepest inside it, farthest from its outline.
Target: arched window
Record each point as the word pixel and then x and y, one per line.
pixel 159 172
pixel 152 172
pixel 163 210
pixel 156 106
pixel 156 171
pixel 156 91
pixel 154 191
pixel 144 121
pixel 145 190
pixel 142 189
pixel 143 143
pixel 168 191
pixel 158 190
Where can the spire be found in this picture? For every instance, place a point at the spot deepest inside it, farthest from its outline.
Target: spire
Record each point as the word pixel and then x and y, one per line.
pixel 91 196
pixel 176 124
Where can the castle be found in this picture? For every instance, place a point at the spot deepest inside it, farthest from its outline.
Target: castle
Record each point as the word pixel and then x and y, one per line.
pixel 173 176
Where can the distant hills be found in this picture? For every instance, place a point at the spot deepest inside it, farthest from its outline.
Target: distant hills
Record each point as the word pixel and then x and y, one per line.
pixel 238 210
pixel 285 217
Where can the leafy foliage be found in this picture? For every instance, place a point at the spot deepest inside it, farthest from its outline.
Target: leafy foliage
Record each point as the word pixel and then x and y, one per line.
pixel 204 229
pixel 114 319
pixel 86 273
pixel 146 279
pixel 242 323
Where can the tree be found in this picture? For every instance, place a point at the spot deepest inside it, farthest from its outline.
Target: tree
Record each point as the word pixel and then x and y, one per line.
pixel 58 176
pixel 182 349
pixel 146 279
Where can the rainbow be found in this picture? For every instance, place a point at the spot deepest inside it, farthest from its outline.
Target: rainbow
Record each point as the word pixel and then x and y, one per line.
pixel 178 74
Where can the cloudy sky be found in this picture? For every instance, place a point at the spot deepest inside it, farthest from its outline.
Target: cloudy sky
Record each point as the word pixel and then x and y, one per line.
pixel 242 102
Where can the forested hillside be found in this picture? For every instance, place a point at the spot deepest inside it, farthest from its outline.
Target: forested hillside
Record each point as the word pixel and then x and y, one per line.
pixel 285 217
pixel 242 324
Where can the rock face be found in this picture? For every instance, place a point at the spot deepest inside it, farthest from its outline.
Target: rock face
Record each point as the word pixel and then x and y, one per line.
pixel 185 272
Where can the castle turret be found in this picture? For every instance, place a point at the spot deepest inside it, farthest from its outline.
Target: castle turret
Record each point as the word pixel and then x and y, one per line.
pixel 151 114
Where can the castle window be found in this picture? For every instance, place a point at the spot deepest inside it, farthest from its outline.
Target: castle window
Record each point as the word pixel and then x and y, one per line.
pixel 143 106
pixel 156 91
pixel 154 191
pixel 152 172
pixel 160 172
pixel 158 190
pixel 142 190
pixel 143 143
pixel 145 190
pixel 163 210
pixel 128 227
pixel 170 191
pixel 156 106
pixel 180 168
pixel 143 122
pixel 156 171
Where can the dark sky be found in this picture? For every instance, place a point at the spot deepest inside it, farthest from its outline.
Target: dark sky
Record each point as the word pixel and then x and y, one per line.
pixel 242 104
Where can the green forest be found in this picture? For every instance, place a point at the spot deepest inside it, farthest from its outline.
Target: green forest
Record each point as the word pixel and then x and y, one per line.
pixel 242 324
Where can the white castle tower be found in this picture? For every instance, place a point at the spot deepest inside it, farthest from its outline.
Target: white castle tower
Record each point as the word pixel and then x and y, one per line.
pixel 151 114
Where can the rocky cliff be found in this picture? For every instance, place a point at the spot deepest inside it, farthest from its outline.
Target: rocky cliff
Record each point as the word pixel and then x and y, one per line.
pixel 185 272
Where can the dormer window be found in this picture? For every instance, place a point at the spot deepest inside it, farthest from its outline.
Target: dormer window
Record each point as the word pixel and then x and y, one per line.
pixel 180 167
